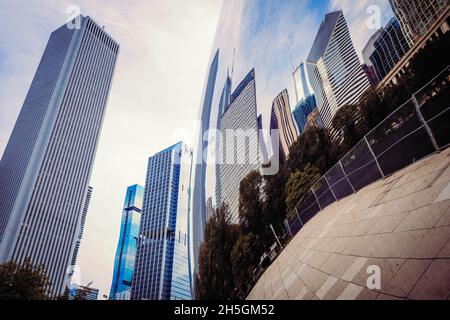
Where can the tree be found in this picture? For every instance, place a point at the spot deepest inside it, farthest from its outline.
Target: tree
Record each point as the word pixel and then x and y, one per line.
pixel 244 259
pixel 23 282
pixel 347 121
pixel 313 147
pixel 251 204
pixel 215 277
pixel 274 193
pixel 430 61
pixel 299 183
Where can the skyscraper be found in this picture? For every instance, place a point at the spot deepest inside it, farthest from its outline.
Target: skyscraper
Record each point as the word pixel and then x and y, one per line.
pixel 281 119
pixel 82 224
pixel 334 69
pixel 239 154
pixel 163 260
pixel 390 47
pixel 301 112
pixel 417 16
pixel 198 201
pixel 367 51
pixel 303 88
pixel 306 100
pixel 126 249
pixel 47 163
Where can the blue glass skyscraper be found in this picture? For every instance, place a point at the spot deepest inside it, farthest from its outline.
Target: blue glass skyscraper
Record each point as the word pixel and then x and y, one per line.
pixel 126 249
pixel 301 112
pixel 163 260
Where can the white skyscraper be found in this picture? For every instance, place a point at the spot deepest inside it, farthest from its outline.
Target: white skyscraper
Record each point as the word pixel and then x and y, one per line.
pixel 239 154
pixel 334 69
pixel 47 164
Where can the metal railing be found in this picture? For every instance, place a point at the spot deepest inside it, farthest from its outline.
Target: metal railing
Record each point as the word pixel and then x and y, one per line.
pixel 420 127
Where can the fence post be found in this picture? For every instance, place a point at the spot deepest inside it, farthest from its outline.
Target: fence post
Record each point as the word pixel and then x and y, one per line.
pixel 317 199
pixel 288 227
pixel 424 122
pixel 329 187
pixel 375 157
pixel 298 215
pixel 345 174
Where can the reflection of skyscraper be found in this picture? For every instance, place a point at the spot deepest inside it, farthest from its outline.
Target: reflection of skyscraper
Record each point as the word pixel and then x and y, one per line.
pixel 126 249
pixel 46 166
pixel 303 88
pixel 367 51
pixel 223 107
pixel 240 151
pixel 334 69
pixel 301 112
pixel 198 200
pixel 163 269
pixel 209 209
pixel 281 119
pixel 390 47
pixel 306 100
pixel 417 16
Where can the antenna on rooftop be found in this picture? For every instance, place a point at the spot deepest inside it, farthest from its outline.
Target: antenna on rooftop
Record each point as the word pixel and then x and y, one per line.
pixel 232 65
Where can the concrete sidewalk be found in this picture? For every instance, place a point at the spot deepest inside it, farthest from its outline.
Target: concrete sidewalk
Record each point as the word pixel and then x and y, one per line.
pixel 399 226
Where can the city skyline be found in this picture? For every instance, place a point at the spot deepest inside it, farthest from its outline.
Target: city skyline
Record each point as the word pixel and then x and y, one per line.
pixel 325 4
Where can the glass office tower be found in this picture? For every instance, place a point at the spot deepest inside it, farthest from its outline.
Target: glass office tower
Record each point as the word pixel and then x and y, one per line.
pixel 163 260
pixel 417 16
pixel 281 119
pixel 239 126
pixel 128 240
pixel 390 47
pixel 334 69
pixel 47 163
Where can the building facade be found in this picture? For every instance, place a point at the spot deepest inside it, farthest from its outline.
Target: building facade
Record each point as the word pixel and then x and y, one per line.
pixel 163 260
pixel 281 119
pixel 301 112
pixel 47 163
pixel 390 47
pixel 82 224
pixel 239 154
pixel 83 293
pixel 127 246
pixel 303 88
pixel 200 166
pixel 417 16
pixel 367 51
pixel 334 70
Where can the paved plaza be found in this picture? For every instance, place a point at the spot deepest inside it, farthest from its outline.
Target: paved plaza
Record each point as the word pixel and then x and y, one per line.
pixel 399 226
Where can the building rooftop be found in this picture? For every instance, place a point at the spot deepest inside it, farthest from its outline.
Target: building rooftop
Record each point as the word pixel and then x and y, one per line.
pixel 323 36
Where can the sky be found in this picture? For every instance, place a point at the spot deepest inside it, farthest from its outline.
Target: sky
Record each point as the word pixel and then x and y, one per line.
pixel 158 84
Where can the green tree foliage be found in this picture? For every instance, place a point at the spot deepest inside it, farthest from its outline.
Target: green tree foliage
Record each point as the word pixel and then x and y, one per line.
pixel 299 183
pixel 313 147
pixel 347 123
pixel 23 282
pixel 251 204
pixel 215 276
pixel 244 259
pixel 274 194
pixel 430 61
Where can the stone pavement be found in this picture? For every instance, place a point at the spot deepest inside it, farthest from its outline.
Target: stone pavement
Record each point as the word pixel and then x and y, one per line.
pixel 400 225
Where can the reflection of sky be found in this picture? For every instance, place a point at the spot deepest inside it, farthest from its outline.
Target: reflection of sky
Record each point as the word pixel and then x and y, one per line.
pixel 273 37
